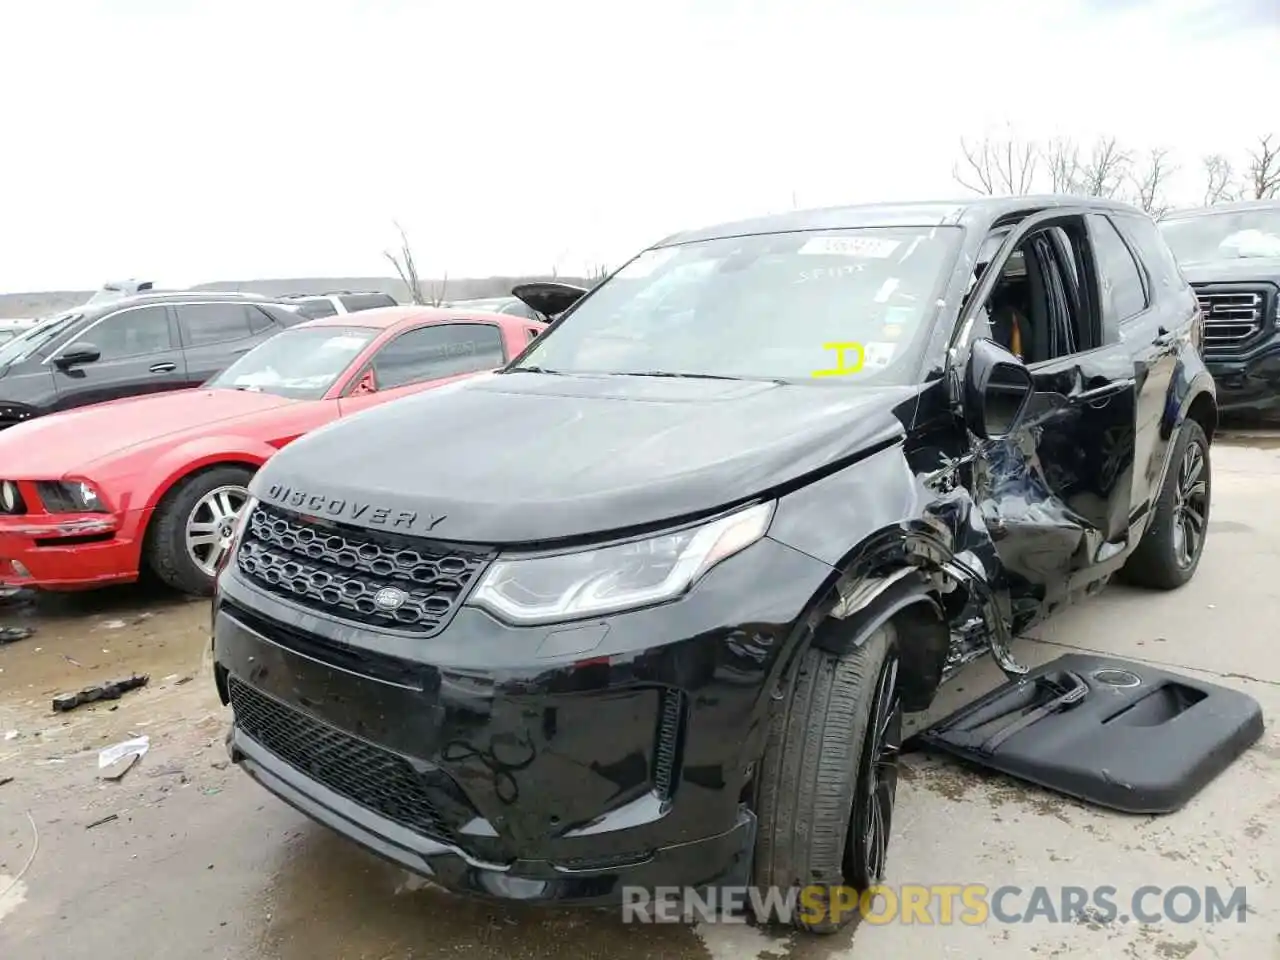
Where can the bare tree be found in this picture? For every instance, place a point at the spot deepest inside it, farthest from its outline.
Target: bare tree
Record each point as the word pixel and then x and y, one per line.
pixel 1263 181
pixel 1149 181
pixel 439 288
pixel 405 267
pixel 1220 180
pixel 997 166
pixel 1062 157
pixel 596 274
pixel 1107 170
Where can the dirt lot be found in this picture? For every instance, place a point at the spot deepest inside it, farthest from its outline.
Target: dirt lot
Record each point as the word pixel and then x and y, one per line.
pixel 197 862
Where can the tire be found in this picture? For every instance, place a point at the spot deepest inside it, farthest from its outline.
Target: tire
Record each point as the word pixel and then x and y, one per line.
pixel 168 555
pixel 816 777
pixel 1181 511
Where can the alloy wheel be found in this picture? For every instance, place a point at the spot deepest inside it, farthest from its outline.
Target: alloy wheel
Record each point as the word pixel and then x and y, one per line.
pixel 872 820
pixel 1190 507
pixel 211 526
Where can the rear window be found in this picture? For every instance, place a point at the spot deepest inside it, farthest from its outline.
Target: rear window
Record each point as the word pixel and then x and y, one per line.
pixel 317 308
pixel 366 301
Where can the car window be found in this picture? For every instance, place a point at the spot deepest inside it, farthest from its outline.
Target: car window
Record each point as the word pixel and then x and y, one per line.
pixel 366 301
pixel 532 332
pixel 259 320
pixel 1123 291
pixel 1154 251
pixel 440 350
pixel 207 323
pixel 315 309
pixel 133 333
pixel 301 363
pixel 767 306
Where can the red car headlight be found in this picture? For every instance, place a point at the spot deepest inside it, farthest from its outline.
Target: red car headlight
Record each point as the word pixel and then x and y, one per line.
pixel 72 496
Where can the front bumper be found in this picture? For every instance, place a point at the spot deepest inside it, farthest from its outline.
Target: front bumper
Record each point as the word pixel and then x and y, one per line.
pixel 70 551
pixel 496 765
pixel 1249 383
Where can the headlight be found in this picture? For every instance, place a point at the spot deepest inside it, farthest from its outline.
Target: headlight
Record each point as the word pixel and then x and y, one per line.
pixel 75 496
pixel 571 585
pixel 9 496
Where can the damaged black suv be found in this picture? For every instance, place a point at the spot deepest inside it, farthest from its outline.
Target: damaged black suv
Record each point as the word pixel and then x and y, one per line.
pixel 646 606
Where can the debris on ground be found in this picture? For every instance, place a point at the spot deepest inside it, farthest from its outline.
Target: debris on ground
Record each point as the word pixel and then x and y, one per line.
pixel 107 819
pixel 119 758
pixel 102 691
pixel 4 780
pixel 11 734
pixel 14 634
pixel 113 624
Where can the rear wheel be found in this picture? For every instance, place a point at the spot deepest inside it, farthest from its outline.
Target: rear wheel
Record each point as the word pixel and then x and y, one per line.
pixel 194 525
pixel 829 778
pixel 1172 545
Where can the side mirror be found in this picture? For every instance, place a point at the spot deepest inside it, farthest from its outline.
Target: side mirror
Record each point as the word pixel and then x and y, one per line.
pixel 77 354
pixel 997 390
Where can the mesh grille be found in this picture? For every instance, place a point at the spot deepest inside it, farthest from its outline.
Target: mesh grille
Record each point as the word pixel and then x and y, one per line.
pixel 377 779
pixel 351 572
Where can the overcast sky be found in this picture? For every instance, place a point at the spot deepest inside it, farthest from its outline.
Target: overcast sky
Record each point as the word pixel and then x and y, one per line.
pixel 190 141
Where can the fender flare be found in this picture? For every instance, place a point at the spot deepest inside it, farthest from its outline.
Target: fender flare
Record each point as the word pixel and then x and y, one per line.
pixel 910 597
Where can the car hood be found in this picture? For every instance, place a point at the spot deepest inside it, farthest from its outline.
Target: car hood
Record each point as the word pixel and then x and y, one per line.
pixel 71 442
pixel 1233 270
pixel 524 457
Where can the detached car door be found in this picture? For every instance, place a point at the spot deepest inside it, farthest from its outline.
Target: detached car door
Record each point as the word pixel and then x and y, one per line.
pixel 416 358
pixel 215 335
pixel 137 353
pixel 1057 495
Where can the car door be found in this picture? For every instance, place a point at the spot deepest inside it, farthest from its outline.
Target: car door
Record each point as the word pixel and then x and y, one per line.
pixel 1155 326
pixel 138 353
pixel 416 358
pixel 214 335
pixel 1057 494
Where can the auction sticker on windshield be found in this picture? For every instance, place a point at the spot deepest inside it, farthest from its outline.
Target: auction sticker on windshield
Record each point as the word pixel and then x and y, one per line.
pixel 851 247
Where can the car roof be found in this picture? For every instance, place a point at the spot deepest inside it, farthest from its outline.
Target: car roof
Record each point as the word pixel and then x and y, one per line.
pixel 385 318
pixel 1235 206
pixel 171 296
pixel 978 211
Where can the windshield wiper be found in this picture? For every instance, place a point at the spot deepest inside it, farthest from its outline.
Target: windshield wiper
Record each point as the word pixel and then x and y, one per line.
pixel 693 376
pixel 554 373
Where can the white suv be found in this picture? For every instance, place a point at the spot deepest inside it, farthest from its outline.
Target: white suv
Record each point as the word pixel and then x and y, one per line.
pixel 313 306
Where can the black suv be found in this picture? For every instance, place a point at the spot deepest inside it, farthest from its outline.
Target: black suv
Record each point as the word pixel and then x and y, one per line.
pixel 130 345
pixel 1231 255
pixel 645 607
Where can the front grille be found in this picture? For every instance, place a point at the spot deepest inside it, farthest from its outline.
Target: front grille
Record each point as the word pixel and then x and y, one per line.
pixel 342 570
pixel 377 779
pixel 1234 314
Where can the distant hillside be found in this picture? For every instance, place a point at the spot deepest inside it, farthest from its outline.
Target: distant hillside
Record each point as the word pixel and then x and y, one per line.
pixel 467 288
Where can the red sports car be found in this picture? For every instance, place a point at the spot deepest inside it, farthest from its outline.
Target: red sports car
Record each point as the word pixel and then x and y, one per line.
pixel 95 495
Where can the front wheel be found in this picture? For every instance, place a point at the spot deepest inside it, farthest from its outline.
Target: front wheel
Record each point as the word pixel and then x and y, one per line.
pixel 193 528
pixel 1170 550
pixel 828 781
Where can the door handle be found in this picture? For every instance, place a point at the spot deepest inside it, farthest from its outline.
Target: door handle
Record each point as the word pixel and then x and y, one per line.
pixel 165 367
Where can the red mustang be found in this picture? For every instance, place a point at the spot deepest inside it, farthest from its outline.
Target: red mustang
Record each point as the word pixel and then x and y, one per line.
pixel 92 496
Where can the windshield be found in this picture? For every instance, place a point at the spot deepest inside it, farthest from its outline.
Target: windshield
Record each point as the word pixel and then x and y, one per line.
pixel 29 341
pixel 1224 236
pixel 848 305
pixel 301 364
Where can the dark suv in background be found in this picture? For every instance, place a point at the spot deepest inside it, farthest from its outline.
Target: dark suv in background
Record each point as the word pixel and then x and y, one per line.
pixel 148 343
pixel 1230 253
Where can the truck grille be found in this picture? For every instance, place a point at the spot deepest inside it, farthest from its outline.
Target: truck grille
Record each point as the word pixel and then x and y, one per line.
pixel 1234 314
pixel 343 570
pixel 377 779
